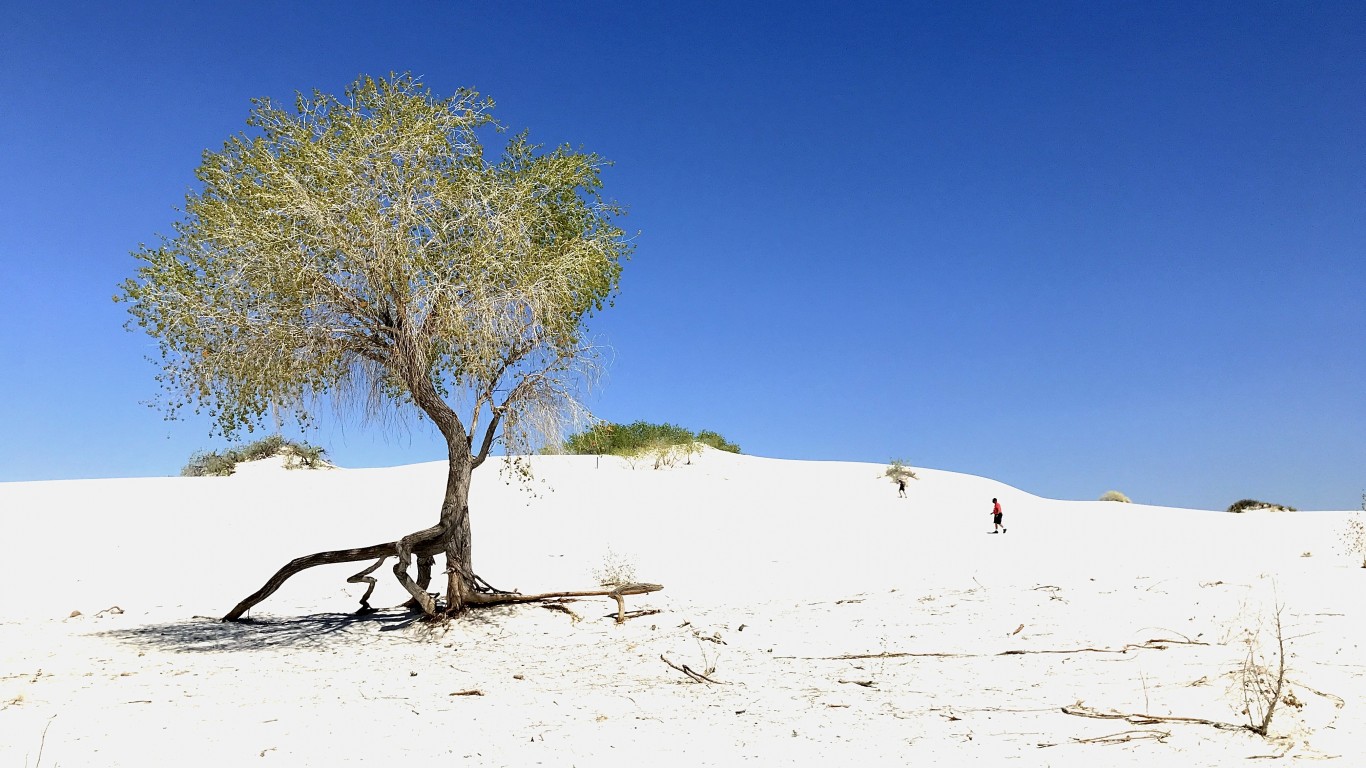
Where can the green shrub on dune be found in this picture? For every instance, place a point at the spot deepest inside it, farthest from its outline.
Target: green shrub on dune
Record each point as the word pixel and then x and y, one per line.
pixel 1252 505
pixel 214 464
pixel 897 471
pixel 640 438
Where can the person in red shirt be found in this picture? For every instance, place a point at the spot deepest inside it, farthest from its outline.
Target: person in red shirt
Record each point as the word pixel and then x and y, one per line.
pixel 996 516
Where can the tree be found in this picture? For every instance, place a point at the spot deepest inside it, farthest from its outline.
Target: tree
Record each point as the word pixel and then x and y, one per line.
pixel 365 244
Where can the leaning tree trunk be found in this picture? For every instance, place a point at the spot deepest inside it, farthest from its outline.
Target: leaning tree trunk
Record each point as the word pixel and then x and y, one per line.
pixel 455 524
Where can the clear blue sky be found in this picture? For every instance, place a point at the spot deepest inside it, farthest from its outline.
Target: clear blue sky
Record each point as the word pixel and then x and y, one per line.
pixel 1074 247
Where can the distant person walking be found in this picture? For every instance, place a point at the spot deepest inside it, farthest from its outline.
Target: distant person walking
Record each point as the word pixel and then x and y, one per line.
pixel 901 487
pixel 996 515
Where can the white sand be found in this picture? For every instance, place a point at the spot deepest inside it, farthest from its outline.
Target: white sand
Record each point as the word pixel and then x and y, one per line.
pixel 771 568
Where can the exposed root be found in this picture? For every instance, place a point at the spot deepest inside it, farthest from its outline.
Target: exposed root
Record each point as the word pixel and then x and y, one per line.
pixel 425 545
pixel 405 548
pixel 369 590
pixel 387 549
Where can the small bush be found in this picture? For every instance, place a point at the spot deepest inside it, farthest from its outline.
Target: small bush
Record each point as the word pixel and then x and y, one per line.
pixel 1252 505
pixel 214 464
pixel 1115 496
pixel 617 570
pixel 897 471
pixel 641 439
pixel 707 437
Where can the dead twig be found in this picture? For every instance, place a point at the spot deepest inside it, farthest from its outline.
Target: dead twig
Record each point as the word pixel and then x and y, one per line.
pixel 470 692
pixel 1137 718
pixel 42 742
pixel 1338 701
pixel 696 676
pixel 1149 645
pixel 883 655
pixel 1124 737
pixel 864 683
pixel 574 618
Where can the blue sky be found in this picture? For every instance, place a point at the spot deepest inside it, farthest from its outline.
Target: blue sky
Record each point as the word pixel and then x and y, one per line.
pixel 1073 247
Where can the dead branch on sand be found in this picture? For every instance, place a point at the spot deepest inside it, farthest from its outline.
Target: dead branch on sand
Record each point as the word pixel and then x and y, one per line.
pixel 1136 718
pixel 1124 737
pixel 696 676
pixel 1158 644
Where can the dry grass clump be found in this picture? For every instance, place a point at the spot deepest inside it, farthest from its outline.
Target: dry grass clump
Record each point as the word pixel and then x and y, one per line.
pixel 617 569
pixel 1115 496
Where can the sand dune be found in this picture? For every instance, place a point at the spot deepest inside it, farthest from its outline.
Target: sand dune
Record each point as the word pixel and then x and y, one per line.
pixel 843 624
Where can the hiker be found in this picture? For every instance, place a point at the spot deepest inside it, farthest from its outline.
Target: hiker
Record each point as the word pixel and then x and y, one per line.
pixel 901 487
pixel 996 516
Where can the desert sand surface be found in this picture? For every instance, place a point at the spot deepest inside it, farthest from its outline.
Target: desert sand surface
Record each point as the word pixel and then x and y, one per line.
pixel 840 625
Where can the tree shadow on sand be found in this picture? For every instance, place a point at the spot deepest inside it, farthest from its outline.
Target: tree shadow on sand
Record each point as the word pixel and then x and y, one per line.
pixel 316 632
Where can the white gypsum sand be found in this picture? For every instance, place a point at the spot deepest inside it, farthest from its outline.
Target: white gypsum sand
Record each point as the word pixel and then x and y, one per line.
pixel 842 625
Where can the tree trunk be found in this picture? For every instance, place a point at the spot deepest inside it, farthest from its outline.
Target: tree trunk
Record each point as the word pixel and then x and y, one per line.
pixel 455 525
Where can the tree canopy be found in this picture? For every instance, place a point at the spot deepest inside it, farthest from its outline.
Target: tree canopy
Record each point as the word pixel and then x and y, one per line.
pixel 366 243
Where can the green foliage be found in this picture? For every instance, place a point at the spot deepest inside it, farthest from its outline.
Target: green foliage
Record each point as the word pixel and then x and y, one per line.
pixel 214 464
pixel 1115 496
pixel 370 243
pixel 707 437
pixel 1245 505
pixel 642 438
pixel 897 471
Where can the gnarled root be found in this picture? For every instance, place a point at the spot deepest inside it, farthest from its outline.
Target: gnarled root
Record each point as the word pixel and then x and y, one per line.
pixel 426 549
pixel 366 577
pixel 405 548
pixel 425 545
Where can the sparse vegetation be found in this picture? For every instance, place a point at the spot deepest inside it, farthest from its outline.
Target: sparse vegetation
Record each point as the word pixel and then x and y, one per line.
pixel 664 445
pixel 897 471
pixel 214 464
pixel 1261 677
pixel 616 570
pixel 1252 505
pixel 1115 496
pixel 1354 538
